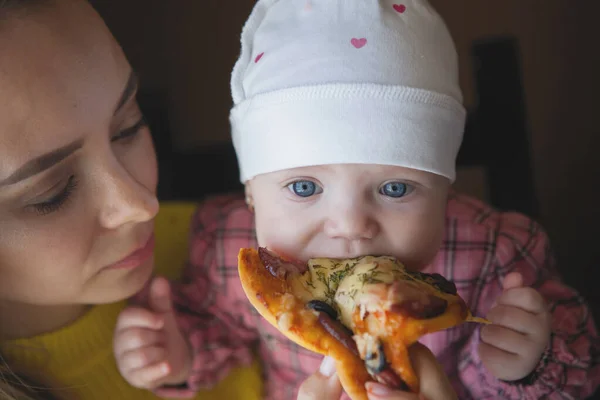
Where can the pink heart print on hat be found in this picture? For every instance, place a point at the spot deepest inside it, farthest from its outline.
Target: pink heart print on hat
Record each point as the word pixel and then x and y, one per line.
pixel 359 43
pixel 317 75
pixel 401 8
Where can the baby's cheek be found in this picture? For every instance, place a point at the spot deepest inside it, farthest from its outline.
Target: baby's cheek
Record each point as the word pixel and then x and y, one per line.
pixel 286 236
pixel 271 234
pixel 417 240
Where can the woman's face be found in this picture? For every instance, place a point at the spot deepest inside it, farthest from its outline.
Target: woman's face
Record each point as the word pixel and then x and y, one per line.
pixel 78 172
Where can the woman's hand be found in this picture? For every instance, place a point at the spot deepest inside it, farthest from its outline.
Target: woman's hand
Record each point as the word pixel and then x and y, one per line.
pixel 324 384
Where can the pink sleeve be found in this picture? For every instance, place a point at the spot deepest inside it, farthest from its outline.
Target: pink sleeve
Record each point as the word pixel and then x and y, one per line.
pixel 218 337
pixel 570 366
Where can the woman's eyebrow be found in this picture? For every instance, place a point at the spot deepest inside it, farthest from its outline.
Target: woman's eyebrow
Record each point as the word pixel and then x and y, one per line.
pixel 42 163
pixel 130 89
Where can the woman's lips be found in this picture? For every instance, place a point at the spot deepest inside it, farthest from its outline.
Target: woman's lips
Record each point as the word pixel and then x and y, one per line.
pixel 136 258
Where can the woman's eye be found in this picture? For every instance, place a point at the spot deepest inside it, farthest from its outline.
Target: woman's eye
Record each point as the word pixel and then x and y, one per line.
pixel 131 131
pixel 395 189
pixel 304 188
pixel 59 200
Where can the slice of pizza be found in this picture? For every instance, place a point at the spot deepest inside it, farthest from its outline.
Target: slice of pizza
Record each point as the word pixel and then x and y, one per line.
pixel 363 312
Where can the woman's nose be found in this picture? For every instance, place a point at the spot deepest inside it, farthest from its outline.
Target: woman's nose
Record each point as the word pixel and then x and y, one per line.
pixel 126 201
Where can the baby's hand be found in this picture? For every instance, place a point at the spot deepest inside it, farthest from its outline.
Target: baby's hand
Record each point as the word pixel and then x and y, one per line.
pixel 435 385
pixel 149 347
pixel 512 346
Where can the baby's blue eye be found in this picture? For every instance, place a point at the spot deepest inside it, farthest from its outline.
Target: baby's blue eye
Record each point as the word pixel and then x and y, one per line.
pixel 304 188
pixel 394 189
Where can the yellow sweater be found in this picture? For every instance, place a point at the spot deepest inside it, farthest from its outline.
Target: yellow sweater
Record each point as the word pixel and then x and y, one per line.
pixel 77 363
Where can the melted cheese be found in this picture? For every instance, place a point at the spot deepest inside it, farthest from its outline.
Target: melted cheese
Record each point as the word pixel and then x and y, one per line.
pixel 344 284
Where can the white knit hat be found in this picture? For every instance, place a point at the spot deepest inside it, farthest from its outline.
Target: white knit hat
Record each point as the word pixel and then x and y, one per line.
pixel 346 81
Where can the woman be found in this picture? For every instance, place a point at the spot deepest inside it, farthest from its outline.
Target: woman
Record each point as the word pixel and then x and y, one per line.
pixel 78 180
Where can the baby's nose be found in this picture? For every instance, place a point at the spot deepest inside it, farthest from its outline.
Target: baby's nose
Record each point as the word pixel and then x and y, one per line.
pixel 351 223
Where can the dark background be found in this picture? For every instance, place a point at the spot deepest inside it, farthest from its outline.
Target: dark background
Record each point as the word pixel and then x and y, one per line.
pixel 184 50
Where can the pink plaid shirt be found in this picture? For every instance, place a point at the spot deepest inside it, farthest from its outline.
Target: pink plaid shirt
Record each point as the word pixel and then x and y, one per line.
pixel 481 247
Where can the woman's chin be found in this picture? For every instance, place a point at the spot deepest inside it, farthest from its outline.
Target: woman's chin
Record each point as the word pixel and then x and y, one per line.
pixel 126 283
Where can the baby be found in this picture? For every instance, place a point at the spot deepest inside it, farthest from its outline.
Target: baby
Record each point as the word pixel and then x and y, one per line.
pixel 347 122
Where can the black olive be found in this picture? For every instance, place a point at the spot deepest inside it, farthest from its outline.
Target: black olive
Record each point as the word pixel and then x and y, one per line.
pixel 436 280
pixel 321 306
pixel 418 275
pixel 444 284
pixel 375 359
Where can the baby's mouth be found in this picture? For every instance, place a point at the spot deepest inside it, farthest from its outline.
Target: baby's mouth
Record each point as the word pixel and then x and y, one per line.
pixel 345 255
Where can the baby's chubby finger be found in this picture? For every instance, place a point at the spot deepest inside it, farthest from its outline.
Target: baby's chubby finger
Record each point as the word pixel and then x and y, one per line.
pixel 513 318
pixel 377 391
pixel 140 358
pixel 435 384
pixel 322 385
pixel 512 281
pixel 149 377
pixel 159 299
pixel 525 298
pixel 505 339
pixel 502 364
pixel 136 338
pixel 138 317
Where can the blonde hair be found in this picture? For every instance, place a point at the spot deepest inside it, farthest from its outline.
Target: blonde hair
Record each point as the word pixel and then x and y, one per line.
pixel 11 392
pixel 12 386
